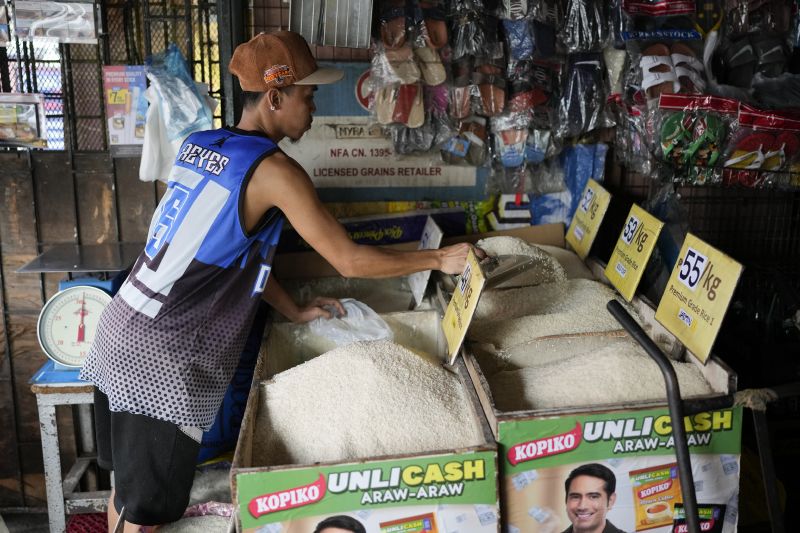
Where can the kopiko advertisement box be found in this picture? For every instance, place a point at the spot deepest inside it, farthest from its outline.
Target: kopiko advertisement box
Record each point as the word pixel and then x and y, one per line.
pixel 432 491
pixel 126 106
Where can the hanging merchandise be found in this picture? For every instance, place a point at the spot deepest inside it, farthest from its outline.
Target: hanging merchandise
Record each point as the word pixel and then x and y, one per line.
pixel 764 150
pixel 759 17
pixel 583 97
pixel 658 19
pixel 665 67
pixel 585 26
pixel 182 107
pixel 3 25
pixel 63 22
pixel 470 146
pixel 692 132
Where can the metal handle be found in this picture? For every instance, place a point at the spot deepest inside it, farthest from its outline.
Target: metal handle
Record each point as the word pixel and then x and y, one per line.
pixel 675 410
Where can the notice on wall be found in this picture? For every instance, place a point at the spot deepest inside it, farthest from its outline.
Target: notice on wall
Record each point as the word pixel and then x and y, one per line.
pixel 349 158
pixel 63 22
pixel 635 448
pixel 126 106
pixel 22 120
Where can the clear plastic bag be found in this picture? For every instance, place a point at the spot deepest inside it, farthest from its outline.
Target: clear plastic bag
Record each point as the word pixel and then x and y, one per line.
pixel 182 107
pixel 360 323
pixel 585 28
pixel 581 105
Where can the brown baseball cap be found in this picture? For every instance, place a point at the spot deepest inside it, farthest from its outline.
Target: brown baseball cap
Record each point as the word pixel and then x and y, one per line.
pixel 279 59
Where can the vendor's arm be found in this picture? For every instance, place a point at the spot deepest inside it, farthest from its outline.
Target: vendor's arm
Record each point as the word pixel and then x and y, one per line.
pixel 280 181
pixel 277 297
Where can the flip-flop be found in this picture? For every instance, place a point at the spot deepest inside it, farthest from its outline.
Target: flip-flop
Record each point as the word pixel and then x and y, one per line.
pixel 658 71
pixel 460 102
pixel 708 133
pixel 510 146
pixel 385 101
pixel 475 132
pixel 688 69
pixel 771 54
pixel 740 62
pixel 750 151
pixel 433 72
pixel 582 99
pixel 393 23
pixel 401 62
pixel 409 107
pixel 492 88
pixel 675 135
pixel 435 26
pixel 520 40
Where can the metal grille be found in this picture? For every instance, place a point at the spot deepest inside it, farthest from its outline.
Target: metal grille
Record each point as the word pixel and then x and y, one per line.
pixel 272 15
pixel 70 75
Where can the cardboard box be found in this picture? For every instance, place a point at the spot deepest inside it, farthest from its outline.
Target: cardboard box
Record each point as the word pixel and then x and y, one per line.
pixel 297 497
pixel 537 449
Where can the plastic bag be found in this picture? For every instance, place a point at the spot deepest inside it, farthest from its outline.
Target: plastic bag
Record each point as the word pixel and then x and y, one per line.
pixel 585 28
pixel 581 105
pixel 360 323
pixel 182 107
pixel 692 132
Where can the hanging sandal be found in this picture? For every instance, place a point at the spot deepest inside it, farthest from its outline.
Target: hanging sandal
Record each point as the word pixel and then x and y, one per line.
pixel 658 71
pixel 688 69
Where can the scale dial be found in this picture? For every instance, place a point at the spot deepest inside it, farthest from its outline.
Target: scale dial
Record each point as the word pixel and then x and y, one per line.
pixel 68 322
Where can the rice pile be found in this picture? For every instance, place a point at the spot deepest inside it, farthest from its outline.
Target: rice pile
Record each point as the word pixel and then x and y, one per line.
pixel 546 268
pixel 508 318
pixel 362 400
pixel 621 372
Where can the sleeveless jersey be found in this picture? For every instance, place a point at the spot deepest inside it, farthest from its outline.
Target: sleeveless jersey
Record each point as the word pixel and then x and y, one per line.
pixel 168 343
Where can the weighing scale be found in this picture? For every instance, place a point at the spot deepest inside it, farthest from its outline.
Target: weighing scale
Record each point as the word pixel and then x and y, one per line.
pixel 68 320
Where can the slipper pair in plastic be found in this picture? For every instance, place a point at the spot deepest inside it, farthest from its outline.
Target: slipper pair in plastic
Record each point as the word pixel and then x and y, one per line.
pixel 397 17
pixel 409 65
pixel 401 104
pixel 751 54
pixel 671 69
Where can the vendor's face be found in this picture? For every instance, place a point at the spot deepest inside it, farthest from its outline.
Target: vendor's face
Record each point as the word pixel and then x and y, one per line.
pixel 588 503
pixel 297 106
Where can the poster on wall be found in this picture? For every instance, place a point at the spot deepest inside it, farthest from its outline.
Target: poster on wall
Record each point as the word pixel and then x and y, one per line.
pixel 63 22
pixel 22 120
pixel 126 107
pixel 3 25
pixel 633 451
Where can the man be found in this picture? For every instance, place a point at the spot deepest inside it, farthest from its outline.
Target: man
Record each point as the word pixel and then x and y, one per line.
pixel 590 495
pixel 340 524
pixel 167 345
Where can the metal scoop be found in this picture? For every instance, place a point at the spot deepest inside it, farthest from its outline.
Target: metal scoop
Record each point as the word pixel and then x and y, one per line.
pixel 505 267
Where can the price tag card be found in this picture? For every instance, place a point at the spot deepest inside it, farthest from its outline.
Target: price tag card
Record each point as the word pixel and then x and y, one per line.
pixel 633 249
pixel 462 306
pixel 431 239
pixel 697 295
pixel 591 210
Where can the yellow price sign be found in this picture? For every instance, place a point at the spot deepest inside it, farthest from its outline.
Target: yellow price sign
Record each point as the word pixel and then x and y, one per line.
pixel 636 242
pixel 117 96
pixel 591 210
pixel 697 295
pixel 462 306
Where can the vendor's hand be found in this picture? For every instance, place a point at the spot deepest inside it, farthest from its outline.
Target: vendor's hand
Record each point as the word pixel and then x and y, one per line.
pixel 454 258
pixel 318 307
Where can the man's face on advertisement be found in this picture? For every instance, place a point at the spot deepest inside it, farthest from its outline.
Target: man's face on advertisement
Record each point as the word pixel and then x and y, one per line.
pixel 588 503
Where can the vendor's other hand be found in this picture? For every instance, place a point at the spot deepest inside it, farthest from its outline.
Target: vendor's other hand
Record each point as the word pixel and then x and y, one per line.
pixel 319 307
pixel 454 258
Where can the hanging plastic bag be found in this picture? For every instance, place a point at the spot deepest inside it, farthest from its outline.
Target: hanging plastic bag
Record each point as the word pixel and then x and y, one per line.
pixel 182 107
pixel 360 323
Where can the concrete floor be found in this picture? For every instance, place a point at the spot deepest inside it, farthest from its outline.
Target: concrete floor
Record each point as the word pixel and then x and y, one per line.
pixel 24 523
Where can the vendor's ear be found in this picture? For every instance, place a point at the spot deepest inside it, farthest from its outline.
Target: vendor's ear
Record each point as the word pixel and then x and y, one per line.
pixel 611 500
pixel 273 99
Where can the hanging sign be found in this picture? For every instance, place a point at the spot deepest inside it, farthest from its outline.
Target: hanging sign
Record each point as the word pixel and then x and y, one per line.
pixel 636 242
pixel 462 305
pixel 697 295
pixel 588 216
pixel 431 239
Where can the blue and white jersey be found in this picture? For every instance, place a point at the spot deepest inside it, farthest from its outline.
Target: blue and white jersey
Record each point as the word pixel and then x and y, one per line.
pixel 169 342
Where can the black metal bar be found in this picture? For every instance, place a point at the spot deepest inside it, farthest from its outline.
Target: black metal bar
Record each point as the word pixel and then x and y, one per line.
pixel 148 51
pixel 768 471
pixel 187 14
pixel 5 79
pixel 675 411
